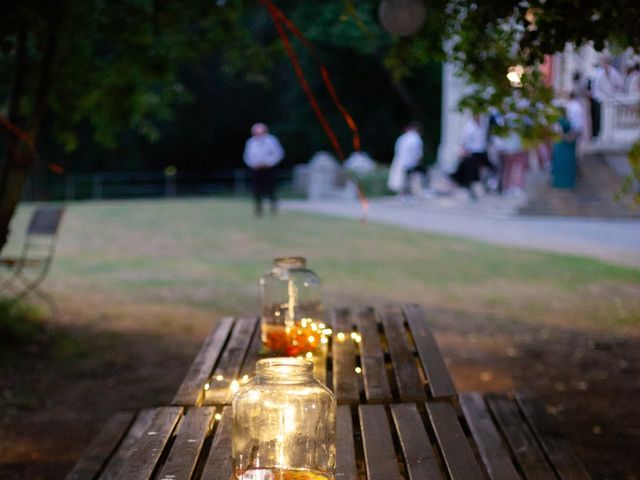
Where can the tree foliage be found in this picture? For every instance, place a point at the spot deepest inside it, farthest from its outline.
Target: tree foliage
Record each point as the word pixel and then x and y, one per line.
pixel 110 64
pixel 117 66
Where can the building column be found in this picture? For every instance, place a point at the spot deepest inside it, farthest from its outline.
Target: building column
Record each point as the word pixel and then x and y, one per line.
pixel 452 121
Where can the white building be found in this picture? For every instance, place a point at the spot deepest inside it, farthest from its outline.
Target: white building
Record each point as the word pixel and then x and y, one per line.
pixel 620 117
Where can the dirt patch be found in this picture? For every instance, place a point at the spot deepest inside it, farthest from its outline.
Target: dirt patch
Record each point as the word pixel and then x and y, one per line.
pixel 56 395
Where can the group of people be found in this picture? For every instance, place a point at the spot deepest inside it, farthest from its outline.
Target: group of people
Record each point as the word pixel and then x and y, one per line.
pixel 499 162
pixel 605 83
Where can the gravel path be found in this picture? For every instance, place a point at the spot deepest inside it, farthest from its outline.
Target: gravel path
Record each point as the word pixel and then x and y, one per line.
pixel 493 220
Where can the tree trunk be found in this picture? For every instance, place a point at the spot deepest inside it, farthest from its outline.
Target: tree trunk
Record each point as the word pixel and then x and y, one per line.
pixel 16 172
pixel 9 175
pixel 19 157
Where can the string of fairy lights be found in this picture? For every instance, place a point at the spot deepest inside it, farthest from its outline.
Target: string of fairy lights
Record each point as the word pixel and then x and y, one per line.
pixel 325 334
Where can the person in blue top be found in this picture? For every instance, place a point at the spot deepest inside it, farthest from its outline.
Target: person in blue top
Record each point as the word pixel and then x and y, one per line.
pixel 563 159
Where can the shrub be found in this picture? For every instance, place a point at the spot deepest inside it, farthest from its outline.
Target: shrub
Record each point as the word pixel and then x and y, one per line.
pixel 374 184
pixel 20 322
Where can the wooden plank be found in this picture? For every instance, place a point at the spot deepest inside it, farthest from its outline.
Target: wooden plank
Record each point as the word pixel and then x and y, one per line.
pixel 219 464
pixel 345 380
pixel 379 454
pixel 228 367
pixel 374 371
pixel 555 446
pixel 147 451
pixel 440 382
pixel 116 463
pixel 190 437
pixel 523 446
pixel 456 451
pixel 420 459
pixel 253 354
pixel 97 454
pixel 319 360
pixel 191 391
pixel 346 467
pixel 410 385
pixel 494 453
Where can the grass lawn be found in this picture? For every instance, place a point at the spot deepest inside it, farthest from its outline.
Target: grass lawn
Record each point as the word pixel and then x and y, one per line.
pixel 209 254
pixel 139 284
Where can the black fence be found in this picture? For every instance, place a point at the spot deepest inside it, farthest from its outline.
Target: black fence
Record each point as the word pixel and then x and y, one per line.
pixel 113 185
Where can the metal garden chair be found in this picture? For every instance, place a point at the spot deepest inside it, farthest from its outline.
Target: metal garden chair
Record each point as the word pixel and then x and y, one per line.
pixel 30 268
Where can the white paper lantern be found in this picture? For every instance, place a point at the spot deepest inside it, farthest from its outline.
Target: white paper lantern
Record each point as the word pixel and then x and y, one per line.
pixel 401 17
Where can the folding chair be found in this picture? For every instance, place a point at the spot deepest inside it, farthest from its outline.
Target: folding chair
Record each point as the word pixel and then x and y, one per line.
pixel 28 270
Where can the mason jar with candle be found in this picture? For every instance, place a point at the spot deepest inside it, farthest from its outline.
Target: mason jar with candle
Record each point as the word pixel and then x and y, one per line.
pixel 291 312
pixel 284 423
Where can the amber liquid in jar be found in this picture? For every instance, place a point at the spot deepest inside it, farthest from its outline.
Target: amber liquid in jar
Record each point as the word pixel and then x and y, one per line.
pixel 290 341
pixel 302 336
pixel 281 474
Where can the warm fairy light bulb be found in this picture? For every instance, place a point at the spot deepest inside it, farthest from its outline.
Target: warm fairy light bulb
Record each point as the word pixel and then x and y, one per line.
pixel 312 339
pixel 217 416
pixel 514 75
pixel 324 339
pixel 358 370
pixel 245 378
pixel 341 337
pixel 321 326
pixel 309 355
pixel 219 378
pixel 207 386
pixel 235 385
pixel 327 331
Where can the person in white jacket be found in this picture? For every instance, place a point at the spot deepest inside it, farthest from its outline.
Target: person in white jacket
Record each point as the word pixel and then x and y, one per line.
pixel 406 159
pixel 262 153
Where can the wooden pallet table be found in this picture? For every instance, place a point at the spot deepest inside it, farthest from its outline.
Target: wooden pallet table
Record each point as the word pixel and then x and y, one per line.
pixel 373 356
pixel 399 415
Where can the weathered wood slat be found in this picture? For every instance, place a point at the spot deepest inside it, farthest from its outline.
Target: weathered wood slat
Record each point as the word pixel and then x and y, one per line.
pixel 345 380
pixel 456 451
pixel 420 459
pixel 494 453
pixel 320 363
pixel 190 437
pixel 253 354
pixel 346 467
pixel 97 454
pixel 147 451
pixel 410 386
pixel 554 445
pixel 374 371
pixel 440 383
pixel 191 391
pixel 379 454
pixel 219 464
pixel 520 439
pixel 114 468
pixel 230 362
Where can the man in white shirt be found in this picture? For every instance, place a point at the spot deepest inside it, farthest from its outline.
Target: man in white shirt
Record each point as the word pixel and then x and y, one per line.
pixel 262 153
pixel 607 82
pixel 576 115
pixel 406 159
pixel 474 153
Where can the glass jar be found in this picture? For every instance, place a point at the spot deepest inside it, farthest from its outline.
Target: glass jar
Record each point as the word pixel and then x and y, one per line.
pixel 284 423
pixel 291 307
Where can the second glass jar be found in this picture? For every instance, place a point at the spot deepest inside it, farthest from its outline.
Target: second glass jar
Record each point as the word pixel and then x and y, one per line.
pixel 291 311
